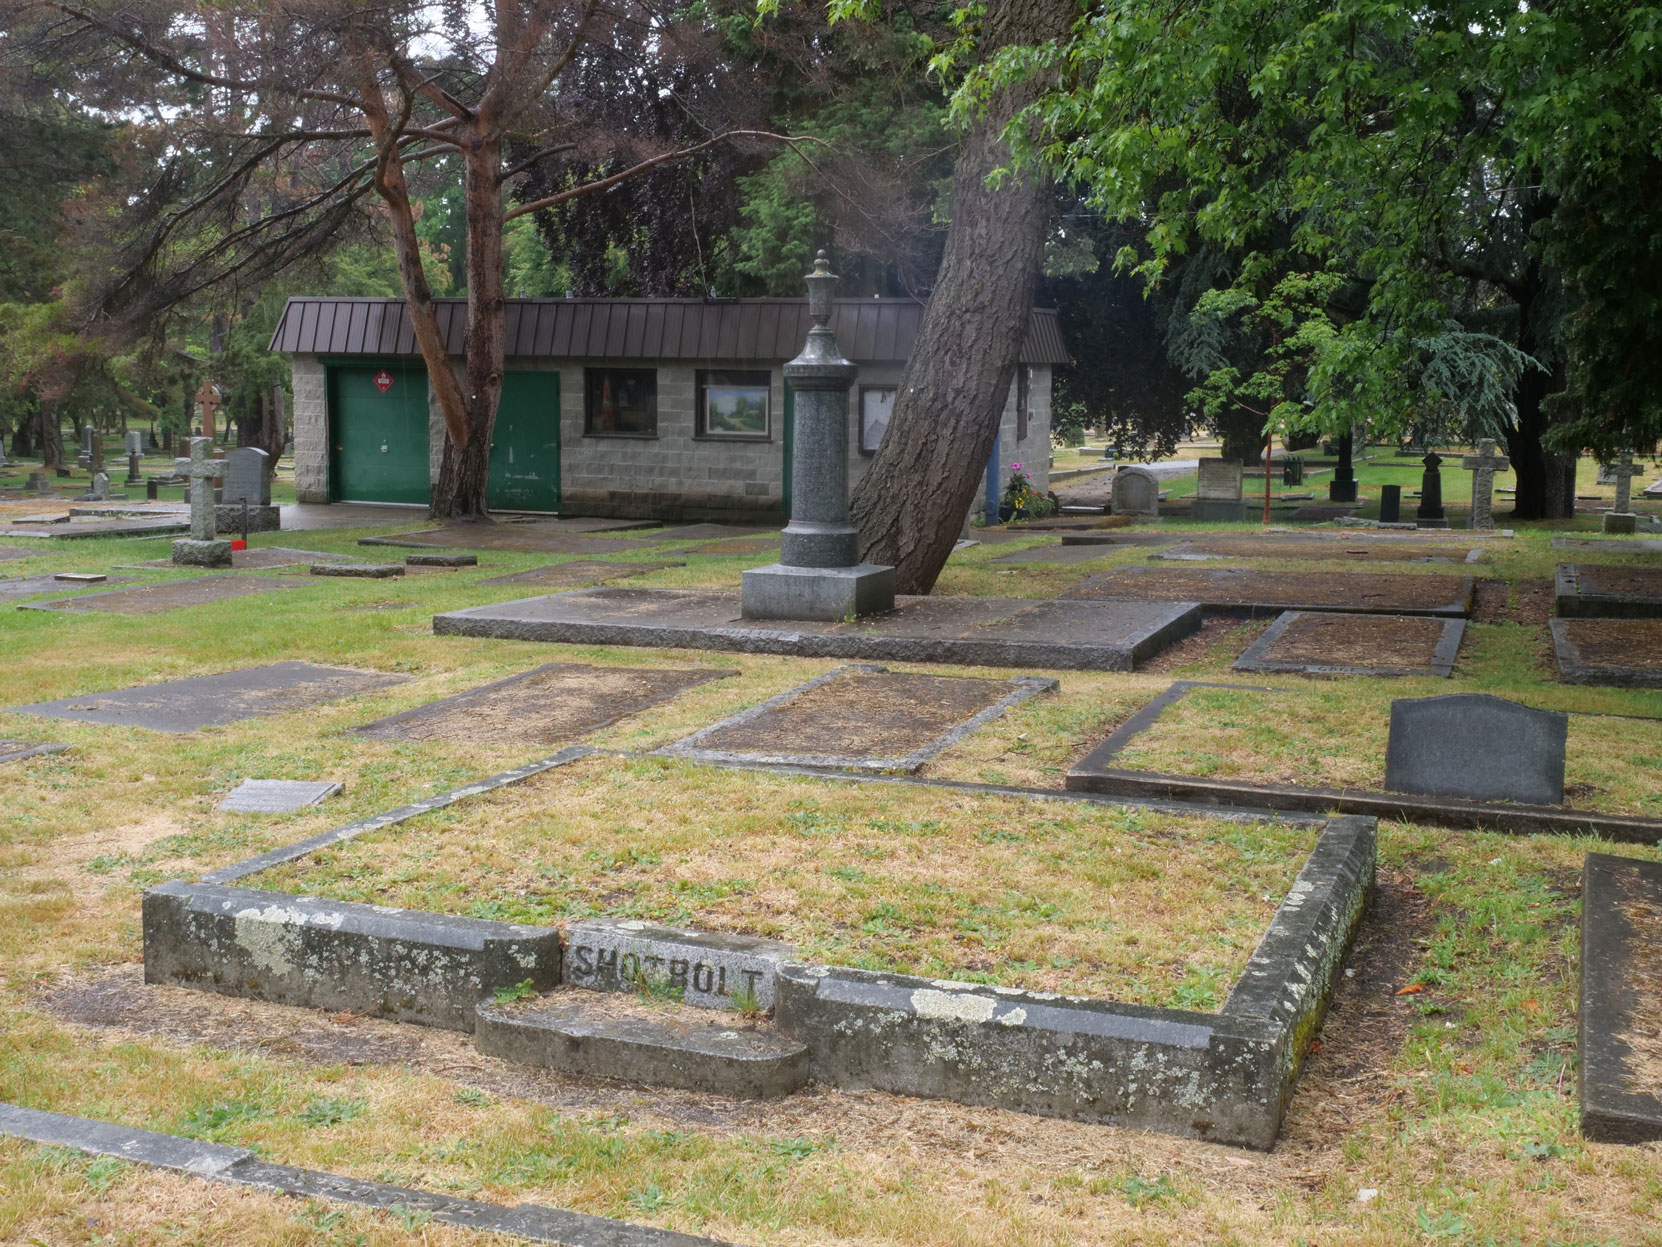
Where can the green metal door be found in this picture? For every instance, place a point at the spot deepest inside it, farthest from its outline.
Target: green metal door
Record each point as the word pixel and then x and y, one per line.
pixel 378 435
pixel 525 447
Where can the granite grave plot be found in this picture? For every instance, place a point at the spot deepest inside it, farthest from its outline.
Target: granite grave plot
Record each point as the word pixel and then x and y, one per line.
pixel 158 599
pixel 997 632
pixel 30 586
pixel 266 557
pixel 1059 553
pixel 1148 753
pixel 736 547
pixel 1333 643
pixel 581 572
pixel 553 703
pixel 211 700
pixel 1626 653
pixel 1240 591
pixel 1621 999
pixel 276 796
pixel 1601 590
pixel 17 750
pixel 1347 550
pixel 864 718
pixel 76 529
pixel 512 538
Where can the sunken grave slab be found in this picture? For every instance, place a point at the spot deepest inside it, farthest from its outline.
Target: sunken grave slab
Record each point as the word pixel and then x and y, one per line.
pixel 212 700
pixel 994 632
pixel 431 969
pixel 1058 553
pixel 158 599
pixel 581 572
pixel 17 750
pixel 277 796
pixel 860 718
pixel 1594 545
pixel 441 560
pixel 735 547
pixel 1349 549
pixel 554 702
pixel 1600 590
pixel 72 531
pixel 261 559
pixel 29 586
pixel 8 553
pixel 693 1050
pixel 1625 653
pixel 364 571
pixel 1334 643
pixel 1238 591
pixel 1621 999
pixel 708 970
pixel 510 538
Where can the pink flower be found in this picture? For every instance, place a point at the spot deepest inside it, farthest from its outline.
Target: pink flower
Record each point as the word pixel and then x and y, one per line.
pixel 1015 467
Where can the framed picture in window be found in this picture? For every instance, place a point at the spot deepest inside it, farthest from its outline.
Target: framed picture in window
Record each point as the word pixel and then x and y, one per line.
pixel 620 402
pixel 876 406
pixel 735 406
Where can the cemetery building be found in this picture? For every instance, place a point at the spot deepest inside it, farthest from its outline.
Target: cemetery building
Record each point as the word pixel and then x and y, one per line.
pixel 649 408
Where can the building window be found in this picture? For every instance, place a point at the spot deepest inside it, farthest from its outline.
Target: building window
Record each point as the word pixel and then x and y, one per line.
pixel 1024 400
pixel 735 406
pixel 620 402
pixel 876 406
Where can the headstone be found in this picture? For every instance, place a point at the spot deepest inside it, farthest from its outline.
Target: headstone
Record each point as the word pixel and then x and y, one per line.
pixel 1483 466
pixel 1654 489
pixel 1430 513
pixel 1390 504
pixel 1136 492
pixel 202 548
pixel 36 481
pixel 86 439
pixel 1621 518
pixel 1606 474
pixel 135 442
pixel 100 490
pixel 819 575
pixel 1476 747
pixel 1218 493
pixel 1342 488
pixel 276 796
pixel 246 498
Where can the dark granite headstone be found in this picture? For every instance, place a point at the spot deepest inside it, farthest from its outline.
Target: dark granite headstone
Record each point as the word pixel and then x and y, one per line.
pixel 1430 513
pixel 1342 488
pixel 1390 504
pixel 246 477
pixel 1478 747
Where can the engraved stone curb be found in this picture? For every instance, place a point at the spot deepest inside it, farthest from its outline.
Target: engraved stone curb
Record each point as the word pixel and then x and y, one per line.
pixel 1021 688
pixel 241 1167
pixel 1618 1103
pixel 1575 600
pixel 709 968
pixel 299 950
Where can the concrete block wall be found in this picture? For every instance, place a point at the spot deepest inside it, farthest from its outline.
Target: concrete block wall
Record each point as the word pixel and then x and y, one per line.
pixel 311 430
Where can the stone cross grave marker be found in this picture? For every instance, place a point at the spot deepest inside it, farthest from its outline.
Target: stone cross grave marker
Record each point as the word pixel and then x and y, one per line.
pixel 207 398
pixel 202 548
pixel 1621 518
pixel 1483 466
pixel 1476 747
pixel 1136 492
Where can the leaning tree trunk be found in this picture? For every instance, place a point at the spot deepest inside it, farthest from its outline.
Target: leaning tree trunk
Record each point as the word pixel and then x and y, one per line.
pixel 910 505
pixel 51 436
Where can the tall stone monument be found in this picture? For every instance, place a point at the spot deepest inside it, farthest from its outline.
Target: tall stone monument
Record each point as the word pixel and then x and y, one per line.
pixel 1483 466
pixel 1342 488
pixel 819 575
pixel 1621 517
pixel 1430 513
pixel 203 547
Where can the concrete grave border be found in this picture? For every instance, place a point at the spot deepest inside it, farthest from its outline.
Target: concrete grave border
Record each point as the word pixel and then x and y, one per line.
pixel 1613 1109
pixel 1459 606
pixel 68 605
pixel 1572 669
pixel 237 1166
pixel 1093 773
pixel 1572 601
pixel 1442 659
pixel 1023 687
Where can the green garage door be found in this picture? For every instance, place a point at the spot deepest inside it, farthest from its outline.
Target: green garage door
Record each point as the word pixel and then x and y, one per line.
pixel 378 432
pixel 525 447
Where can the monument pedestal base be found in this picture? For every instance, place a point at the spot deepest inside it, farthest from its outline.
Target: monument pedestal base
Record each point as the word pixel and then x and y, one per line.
pixel 1341 491
pixel 824 594
pixel 189 552
pixel 1218 510
pixel 228 518
pixel 1620 522
pixel 1425 523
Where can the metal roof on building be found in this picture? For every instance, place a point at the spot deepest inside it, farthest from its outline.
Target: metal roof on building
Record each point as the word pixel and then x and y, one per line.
pixel 868 330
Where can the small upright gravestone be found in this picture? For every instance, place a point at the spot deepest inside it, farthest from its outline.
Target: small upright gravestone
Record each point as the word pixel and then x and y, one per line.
pixel 1483 466
pixel 202 548
pixel 1430 513
pixel 1136 492
pixel 1390 504
pixel 1476 747
pixel 1621 518
pixel 1342 488
pixel 246 498
pixel 100 490
pixel 1218 493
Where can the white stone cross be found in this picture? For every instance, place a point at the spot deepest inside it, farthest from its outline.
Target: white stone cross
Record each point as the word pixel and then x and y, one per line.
pixel 1483 466
pixel 202 471
pixel 1623 473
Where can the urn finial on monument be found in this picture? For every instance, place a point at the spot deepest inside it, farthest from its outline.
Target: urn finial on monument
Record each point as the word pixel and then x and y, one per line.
pixel 822 288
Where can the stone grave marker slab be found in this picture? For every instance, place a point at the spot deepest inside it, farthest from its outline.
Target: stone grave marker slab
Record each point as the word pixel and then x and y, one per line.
pixel 80 578
pixel 1621 999
pixel 581 572
pixel 158 599
pixel 212 700
pixel 1334 643
pixel 1350 549
pixel 1609 591
pixel 276 796
pixel 28 586
pixel 707 532
pixel 1477 747
pixel 260 559
pixel 1625 653
pixel 732 548
pixel 8 553
pixel 1059 553
pixel 1638 545
pixel 17 750
pixel 711 968
pixel 862 718
pixel 555 702
pixel 441 560
pixel 1325 511
pixel 77 529
pixel 362 571
pixel 1259 592
pixel 517 538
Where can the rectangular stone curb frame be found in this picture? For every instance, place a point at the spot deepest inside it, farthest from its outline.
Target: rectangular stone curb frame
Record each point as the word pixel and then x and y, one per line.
pixel 1093 774
pixel 1574 602
pixel 1615 1107
pixel 299 950
pixel 1023 687
pixel 1223 1077
pixel 1442 658
pixel 1572 670
pixel 30 751
pixel 239 1166
pixel 1459 607
pixel 711 969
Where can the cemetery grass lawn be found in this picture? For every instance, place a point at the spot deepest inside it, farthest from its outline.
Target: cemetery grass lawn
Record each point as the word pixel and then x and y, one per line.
pixel 1125 904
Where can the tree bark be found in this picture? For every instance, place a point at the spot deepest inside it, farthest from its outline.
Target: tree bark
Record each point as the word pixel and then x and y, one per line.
pixel 51 436
pixel 909 507
pixel 1545 481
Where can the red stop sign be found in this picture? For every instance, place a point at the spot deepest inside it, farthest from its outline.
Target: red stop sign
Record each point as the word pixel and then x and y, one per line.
pixel 383 380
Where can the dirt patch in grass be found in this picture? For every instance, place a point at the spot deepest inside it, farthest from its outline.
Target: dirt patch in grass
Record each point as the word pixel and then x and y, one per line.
pixel 1606 578
pixel 1218 642
pixel 1359 641
pixel 1137 906
pixel 861 715
pixel 1236 587
pixel 1623 643
pixel 1519 601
